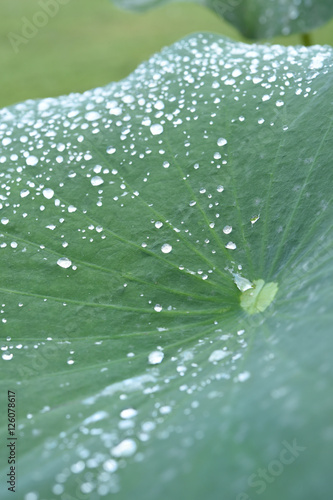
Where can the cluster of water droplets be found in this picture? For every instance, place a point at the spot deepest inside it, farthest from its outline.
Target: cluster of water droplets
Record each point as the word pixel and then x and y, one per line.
pixel 91 185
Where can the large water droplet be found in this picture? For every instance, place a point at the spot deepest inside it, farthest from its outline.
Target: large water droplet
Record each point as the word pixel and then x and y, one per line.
pixel 64 262
pixel 48 193
pixel 7 356
pixel 155 357
pixel 97 180
pixel 231 245
pixel 221 141
pixel 156 129
pixel 128 413
pixel 124 449
pixel 242 283
pixel 217 355
pixel 92 116
pixel 166 248
pixel 31 161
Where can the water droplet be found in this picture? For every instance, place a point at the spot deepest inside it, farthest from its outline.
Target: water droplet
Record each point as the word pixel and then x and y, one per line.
pixel 96 417
pixel 31 496
pixel 221 141
pixel 164 410
pixel 155 357
pixel 158 224
pixel 7 357
pixel 236 72
pixel 31 161
pixel 48 193
pixel 64 262
pixel 128 413
pixel 166 164
pixel 166 248
pixel 227 229
pixel 97 180
pixel 156 129
pixel 92 116
pixel 231 245
pixel 124 449
pixel 244 376
pixel 254 219
pixel 220 189
pixel 217 355
pixel 242 284
pixel 158 308
pixel 111 150
pixel 110 465
pixel 24 193
pixel 78 467
pixel 4 220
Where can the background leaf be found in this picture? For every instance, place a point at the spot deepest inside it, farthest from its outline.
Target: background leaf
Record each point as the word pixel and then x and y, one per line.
pixel 126 213
pixel 258 18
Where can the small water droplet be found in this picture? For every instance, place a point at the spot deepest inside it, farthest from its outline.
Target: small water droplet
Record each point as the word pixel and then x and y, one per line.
pixel 244 376
pixel 158 308
pixel 110 465
pixel 158 224
pixel 227 229
pixel 254 219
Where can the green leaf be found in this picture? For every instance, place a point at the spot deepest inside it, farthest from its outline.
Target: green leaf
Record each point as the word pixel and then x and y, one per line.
pixel 257 18
pixel 133 219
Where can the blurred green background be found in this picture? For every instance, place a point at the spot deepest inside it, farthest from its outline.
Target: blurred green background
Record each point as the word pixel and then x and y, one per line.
pixel 90 43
